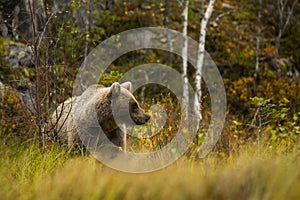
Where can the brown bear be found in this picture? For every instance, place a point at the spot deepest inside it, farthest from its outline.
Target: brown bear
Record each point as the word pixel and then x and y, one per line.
pixel 97 105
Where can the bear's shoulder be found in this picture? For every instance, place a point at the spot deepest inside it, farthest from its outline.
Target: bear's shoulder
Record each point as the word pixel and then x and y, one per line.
pixel 94 87
pixel 92 90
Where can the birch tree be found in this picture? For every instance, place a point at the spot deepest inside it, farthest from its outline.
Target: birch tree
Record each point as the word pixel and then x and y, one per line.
pixel 184 59
pixel 257 41
pixel 200 60
pixel 285 13
pixel 166 25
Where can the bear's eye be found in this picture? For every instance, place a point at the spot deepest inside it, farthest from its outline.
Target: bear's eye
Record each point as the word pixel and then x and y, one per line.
pixel 135 106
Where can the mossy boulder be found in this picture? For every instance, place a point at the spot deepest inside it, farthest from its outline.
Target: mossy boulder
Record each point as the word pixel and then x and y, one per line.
pixel 15 63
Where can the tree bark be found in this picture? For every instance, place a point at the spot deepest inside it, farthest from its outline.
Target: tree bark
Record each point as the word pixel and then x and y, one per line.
pixel 200 61
pixel 257 42
pixel 184 60
pixel 166 25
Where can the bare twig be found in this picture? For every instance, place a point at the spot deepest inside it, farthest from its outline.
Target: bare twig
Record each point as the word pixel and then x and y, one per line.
pixel 44 29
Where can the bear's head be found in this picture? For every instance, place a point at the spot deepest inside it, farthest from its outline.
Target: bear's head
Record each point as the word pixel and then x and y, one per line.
pixel 125 107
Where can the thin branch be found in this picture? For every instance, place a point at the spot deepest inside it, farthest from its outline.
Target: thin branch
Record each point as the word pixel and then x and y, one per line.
pixel 290 12
pixel 44 29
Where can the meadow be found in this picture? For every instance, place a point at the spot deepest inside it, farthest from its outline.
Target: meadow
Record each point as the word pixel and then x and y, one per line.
pixel 255 172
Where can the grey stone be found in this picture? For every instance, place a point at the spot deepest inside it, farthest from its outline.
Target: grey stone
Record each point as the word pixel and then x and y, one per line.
pixel 18 54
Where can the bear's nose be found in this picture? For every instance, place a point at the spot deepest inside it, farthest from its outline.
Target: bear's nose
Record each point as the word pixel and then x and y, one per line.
pixel 147 117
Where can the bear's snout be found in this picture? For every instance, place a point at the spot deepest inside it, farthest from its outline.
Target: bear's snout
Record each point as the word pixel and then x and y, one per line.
pixel 147 117
pixel 140 118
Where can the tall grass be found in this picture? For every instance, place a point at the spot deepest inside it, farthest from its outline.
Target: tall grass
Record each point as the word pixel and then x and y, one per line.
pixel 253 173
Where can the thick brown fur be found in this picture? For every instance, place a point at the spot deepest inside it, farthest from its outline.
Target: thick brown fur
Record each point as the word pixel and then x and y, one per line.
pixel 79 112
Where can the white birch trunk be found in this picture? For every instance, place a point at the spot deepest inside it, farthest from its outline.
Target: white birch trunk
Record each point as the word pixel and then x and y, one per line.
pixel 184 60
pixel 200 61
pixel 258 41
pixel 166 25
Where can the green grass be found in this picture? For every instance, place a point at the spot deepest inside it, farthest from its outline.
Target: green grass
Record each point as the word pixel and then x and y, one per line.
pixel 253 173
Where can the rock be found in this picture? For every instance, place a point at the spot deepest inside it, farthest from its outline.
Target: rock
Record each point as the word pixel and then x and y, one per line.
pixel 27 98
pixel 20 55
pixel 15 18
pixel 23 95
pixel 16 54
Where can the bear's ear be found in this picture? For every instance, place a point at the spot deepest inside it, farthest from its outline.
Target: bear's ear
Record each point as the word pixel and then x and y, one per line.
pixel 115 89
pixel 127 85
